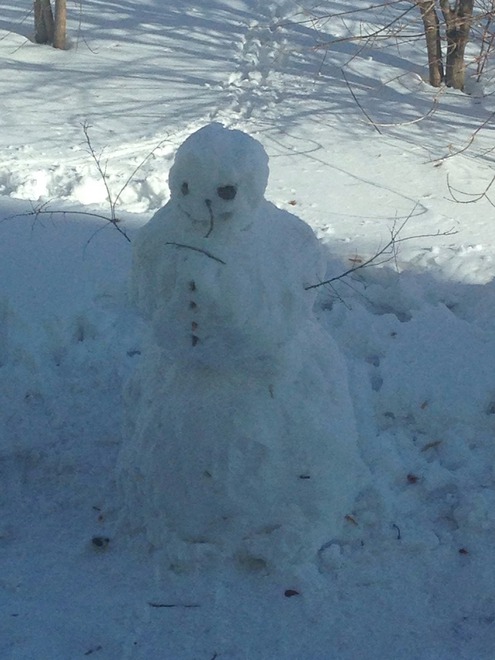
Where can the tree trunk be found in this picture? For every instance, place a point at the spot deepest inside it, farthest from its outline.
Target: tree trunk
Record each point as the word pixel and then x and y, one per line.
pixel 433 45
pixel 60 32
pixel 458 22
pixel 43 22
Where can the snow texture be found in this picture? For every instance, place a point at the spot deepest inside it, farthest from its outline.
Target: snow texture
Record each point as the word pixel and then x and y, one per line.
pixel 413 578
pixel 222 276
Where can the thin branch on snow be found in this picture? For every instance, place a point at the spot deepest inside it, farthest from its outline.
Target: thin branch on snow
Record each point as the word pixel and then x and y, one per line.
pixel 474 197
pixel 43 209
pixel 470 141
pixel 377 124
pixel 190 247
pixel 359 104
pixel 101 171
pixel 170 605
pixel 389 251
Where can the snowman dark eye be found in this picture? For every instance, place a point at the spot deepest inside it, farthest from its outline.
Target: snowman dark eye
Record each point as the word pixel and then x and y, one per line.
pixel 184 188
pixel 227 192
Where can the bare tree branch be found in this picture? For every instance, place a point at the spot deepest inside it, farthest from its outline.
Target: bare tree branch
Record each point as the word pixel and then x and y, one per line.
pixel 475 197
pixel 389 251
pixel 44 210
pixel 472 138
pixel 359 104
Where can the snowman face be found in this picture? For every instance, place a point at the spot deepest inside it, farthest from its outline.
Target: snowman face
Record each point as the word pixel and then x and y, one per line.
pixel 218 179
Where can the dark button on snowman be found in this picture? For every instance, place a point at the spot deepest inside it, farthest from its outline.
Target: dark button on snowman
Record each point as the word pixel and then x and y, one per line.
pixel 240 442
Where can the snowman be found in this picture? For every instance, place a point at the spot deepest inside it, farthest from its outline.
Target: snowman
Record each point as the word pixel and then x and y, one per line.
pixel 239 441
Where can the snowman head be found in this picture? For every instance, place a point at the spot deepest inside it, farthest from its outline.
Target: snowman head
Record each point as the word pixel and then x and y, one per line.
pixel 218 179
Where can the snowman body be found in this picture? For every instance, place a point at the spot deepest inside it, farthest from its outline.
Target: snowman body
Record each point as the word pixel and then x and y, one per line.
pixel 240 438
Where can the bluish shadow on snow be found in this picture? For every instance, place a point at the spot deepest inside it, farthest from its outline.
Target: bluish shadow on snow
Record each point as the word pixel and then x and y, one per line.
pixel 421 357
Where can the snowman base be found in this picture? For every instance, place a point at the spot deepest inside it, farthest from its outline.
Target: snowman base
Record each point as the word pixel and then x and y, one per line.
pixel 260 469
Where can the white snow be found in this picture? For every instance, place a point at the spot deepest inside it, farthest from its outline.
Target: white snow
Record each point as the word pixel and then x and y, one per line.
pixel 412 576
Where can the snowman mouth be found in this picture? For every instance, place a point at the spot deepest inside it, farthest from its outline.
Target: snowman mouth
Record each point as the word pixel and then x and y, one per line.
pixel 196 221
pixel 210 221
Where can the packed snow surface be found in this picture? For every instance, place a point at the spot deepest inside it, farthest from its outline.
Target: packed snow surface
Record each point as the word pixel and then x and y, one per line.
pixel 359 148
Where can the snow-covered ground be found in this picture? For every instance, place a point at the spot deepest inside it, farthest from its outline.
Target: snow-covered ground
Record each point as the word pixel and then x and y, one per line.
pixel 416 579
